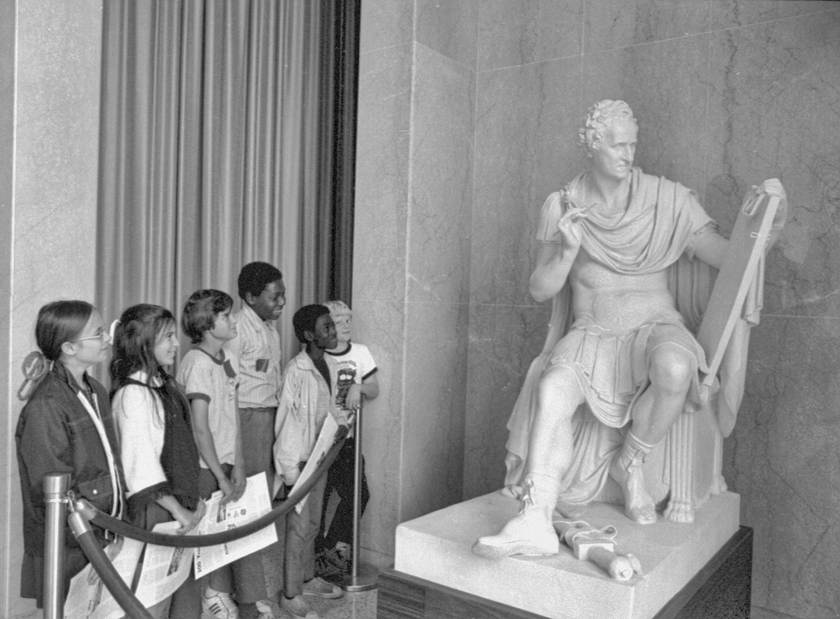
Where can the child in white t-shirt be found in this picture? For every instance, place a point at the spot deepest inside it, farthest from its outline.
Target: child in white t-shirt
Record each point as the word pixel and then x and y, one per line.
pixel 356 380
pixel 210 380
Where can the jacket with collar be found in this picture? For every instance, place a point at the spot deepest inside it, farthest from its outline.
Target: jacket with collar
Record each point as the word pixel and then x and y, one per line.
pixel 296 427
pixel 55 434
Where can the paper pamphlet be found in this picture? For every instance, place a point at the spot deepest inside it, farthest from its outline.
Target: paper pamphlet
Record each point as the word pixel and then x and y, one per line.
pixel 253 504
pixel 164 570
pixel 87 595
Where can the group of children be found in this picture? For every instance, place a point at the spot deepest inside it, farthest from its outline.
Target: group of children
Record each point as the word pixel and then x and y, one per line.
pixel 157 445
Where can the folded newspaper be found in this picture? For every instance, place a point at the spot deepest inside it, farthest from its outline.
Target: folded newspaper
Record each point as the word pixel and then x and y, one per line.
pixel 163 568
pixel 254 503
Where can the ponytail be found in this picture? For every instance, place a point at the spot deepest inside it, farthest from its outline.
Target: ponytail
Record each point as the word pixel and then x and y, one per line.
pixel 35 366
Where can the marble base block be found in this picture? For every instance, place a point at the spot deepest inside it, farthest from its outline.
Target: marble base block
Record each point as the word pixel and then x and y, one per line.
pixel 436 548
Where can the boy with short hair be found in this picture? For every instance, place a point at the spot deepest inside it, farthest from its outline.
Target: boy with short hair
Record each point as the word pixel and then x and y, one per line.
pixel 307 397
pixel 210 380
pixel 356 380
pixel 258 577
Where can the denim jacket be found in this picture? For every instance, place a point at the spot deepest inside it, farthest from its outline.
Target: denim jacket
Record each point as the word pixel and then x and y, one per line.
pixel 55 434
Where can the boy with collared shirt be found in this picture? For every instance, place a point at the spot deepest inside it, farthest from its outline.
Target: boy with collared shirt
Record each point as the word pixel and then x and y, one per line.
pixel 258 577
pixel 307 397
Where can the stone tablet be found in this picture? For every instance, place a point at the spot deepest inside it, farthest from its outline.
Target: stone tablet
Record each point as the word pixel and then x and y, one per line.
pixel 744 253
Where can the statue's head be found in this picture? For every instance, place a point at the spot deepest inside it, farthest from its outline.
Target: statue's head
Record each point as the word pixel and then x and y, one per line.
pixel 600 116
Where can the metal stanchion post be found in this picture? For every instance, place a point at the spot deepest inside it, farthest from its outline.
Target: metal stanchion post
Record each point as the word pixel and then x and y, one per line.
pixel 55 491
pixel 361 578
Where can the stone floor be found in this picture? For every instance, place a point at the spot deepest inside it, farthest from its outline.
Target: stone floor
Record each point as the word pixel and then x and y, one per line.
pixel 350 606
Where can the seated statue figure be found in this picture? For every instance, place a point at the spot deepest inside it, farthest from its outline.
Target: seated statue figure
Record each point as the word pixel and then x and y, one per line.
pixel 620 366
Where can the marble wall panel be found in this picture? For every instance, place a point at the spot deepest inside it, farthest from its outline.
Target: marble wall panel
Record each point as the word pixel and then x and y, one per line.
pixel 772 114
pixel 8 555
pixel 435 382
pixel 381 325
pixel 7 128
pixel 517 32
pixel 504 340
pixel 386 23
pixel 666 85
pixel 733 13
pixel 52 83
pixel 52 212
pixel 613 24
pixel 441 191
pixel 379 278
pixel 525 150
pixel 411 287
pixel 7 120
pixel 450 28
pixel 782 459
pixel 382 155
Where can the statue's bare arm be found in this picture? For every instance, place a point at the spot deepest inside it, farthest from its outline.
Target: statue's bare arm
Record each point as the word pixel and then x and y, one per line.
pixel 554 262
pixel 710 248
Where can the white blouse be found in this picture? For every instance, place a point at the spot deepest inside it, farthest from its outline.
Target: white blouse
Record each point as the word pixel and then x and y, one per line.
pixel 139 415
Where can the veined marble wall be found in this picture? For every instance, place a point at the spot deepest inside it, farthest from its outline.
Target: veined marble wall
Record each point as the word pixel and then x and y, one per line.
pixel 468 116
pixel 49 128
pixel 412 262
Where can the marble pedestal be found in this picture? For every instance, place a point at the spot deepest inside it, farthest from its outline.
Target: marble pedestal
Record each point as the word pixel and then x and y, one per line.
pixel 436 548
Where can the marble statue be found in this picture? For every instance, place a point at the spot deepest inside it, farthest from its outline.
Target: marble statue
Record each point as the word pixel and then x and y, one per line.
pixel 621 365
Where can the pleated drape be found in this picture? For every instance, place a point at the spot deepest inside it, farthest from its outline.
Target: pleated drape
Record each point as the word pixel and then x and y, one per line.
pixel 217 149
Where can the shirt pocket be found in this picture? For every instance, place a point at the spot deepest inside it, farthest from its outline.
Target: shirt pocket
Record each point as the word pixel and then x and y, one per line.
pixel 98 491
pixel 83 433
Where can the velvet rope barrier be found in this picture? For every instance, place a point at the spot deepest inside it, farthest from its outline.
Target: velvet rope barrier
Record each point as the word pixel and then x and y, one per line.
pixel 102 564
pixel 199 541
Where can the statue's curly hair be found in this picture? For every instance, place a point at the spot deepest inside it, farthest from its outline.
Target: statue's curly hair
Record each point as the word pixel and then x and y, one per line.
pixel 599 116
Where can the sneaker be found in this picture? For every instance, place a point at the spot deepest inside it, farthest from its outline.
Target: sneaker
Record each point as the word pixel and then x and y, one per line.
pixel 218 605
pixel 344 550
pixel 269 609
pixel 322 589
pixel 330 564
pixel 297 607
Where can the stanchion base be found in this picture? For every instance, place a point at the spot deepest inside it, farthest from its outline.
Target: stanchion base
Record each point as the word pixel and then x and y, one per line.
pixel 366 580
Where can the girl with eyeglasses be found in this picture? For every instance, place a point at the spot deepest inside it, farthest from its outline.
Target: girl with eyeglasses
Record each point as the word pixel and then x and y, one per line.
pixel 65 427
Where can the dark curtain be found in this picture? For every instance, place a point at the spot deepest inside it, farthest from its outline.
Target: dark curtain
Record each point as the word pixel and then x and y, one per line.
pixel 345 78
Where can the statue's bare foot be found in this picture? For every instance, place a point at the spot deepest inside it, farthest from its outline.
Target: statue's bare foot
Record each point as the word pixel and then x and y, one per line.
pixel 530 532
pixel 638 504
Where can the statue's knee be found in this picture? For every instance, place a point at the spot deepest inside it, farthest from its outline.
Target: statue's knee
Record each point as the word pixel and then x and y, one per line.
pixel 671 368
pixel 559 389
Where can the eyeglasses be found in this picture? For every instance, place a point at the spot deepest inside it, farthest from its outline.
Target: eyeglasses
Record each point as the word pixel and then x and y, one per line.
pixel 98 335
